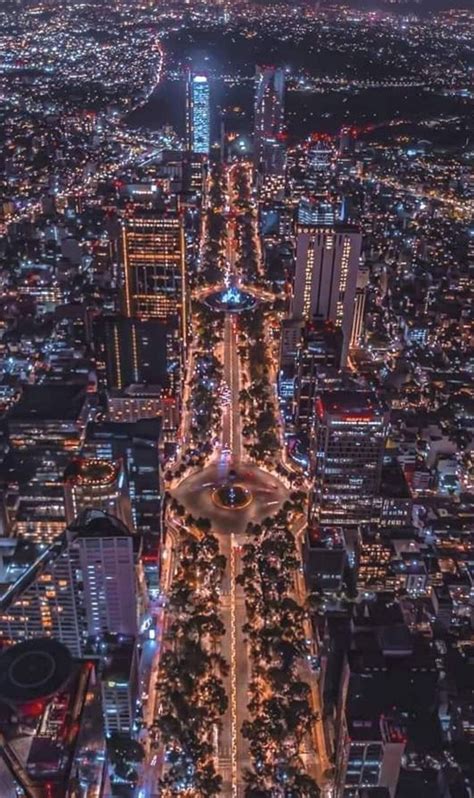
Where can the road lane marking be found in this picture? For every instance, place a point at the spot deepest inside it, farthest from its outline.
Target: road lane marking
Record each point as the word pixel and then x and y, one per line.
pixel 233 668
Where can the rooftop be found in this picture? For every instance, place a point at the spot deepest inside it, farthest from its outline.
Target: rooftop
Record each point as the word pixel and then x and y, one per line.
pixel 119 661
pixel 96 523
pixel 359 404
pixel 49 402
pixel 394 484
pixel 146 428
pixel 33 669
pixel 91 472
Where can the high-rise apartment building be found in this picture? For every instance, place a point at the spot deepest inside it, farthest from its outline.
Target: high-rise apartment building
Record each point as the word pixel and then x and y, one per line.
pixel 327 260
pixel 269 107
pixel 198 121
pixel 102 550
pixel 81 587
pixel 347 451
pixel 153 258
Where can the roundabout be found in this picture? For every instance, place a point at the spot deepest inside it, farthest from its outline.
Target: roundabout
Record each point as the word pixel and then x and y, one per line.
pixel 231 500
pixel 230 300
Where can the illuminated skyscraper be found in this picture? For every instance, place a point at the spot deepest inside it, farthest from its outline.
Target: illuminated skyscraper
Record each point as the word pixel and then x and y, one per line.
pixel 316 210
pixel 327 260
pixel 347 450
pixel 269 107
pixel 82 586
pixel 154 267
pixel 319 156
pixel 198 126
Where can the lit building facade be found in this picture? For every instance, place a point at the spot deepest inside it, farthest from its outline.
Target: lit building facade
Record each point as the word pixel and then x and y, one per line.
pixel 324 558
pixel 316 211
pixel 348 444
pixel 141 401
pixel 320 155
pixel 81 587
pixel 138 446
pixel 308 350
pixel 46 427
pixel 269 107
pixel 102 550
pixel 370 756
pixel 198 120
pixel 119 682
pixel 374 555
pixel 327 260
pixel 49 418
pixel 153 258
pixel 389 675
pixel 289 341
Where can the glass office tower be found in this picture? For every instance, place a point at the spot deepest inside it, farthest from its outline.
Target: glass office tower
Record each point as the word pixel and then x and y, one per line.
pixel 197 114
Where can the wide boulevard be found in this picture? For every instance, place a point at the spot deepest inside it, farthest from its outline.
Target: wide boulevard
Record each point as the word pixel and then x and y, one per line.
pixel 267 493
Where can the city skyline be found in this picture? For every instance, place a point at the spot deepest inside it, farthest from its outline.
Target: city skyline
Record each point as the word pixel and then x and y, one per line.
pixel 236 475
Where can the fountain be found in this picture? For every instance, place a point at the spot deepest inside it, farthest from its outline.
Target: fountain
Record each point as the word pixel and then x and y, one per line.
pixel 231 300
pixel 231 496
pixel 232 296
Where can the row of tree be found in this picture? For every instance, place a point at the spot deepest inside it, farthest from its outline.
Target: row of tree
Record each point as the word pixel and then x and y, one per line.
pixel 247 261
pixel 213 265
pixel 207 376
pixel 256 401
pixel 208 326
pixel 192 697
pixel 280 707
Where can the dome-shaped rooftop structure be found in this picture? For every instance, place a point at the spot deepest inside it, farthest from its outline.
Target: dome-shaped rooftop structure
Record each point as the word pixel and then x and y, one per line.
pixel 33 670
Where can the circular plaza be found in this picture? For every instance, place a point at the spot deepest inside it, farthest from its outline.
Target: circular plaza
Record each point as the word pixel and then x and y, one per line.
pixel 231 498
pixel 230 300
